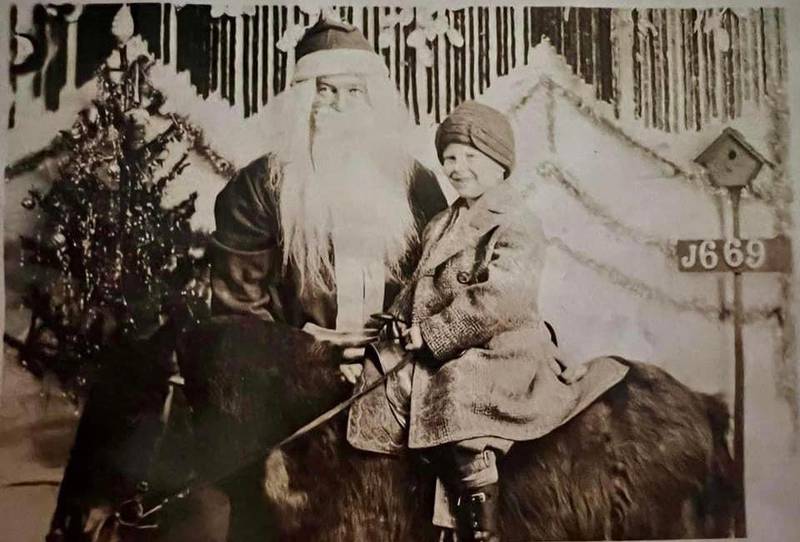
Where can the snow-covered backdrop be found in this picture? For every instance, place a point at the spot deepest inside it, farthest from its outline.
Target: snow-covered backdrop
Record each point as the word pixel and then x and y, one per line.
pixel 610 171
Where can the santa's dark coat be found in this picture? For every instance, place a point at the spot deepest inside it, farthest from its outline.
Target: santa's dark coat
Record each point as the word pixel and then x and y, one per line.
pixel 247 271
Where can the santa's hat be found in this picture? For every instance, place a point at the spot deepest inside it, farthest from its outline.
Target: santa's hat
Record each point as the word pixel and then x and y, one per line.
pixel 334 48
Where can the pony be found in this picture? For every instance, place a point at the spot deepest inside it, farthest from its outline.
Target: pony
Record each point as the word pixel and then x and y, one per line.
pixel 647 460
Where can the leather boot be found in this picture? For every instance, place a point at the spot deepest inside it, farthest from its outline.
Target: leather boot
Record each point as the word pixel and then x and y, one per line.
pixel 478 514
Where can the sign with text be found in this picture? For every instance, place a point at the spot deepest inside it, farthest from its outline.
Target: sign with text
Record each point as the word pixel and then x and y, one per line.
pixel 742 255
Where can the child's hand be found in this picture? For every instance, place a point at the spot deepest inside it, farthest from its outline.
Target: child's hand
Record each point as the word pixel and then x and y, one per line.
pixel 351 371
pixel 412 338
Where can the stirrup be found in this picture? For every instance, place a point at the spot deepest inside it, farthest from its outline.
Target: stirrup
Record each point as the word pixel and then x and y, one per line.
pixel 477 514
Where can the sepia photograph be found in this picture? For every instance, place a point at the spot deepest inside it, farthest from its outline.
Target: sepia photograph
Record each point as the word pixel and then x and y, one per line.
pixel 424 271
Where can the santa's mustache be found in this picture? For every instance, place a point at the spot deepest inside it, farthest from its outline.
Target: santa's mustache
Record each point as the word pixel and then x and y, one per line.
pixel 330 121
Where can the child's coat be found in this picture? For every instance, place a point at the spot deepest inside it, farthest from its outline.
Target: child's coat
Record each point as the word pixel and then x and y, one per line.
pixel 491 368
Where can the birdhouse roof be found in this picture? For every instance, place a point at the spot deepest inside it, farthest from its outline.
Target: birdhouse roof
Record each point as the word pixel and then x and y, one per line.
pixel 734 134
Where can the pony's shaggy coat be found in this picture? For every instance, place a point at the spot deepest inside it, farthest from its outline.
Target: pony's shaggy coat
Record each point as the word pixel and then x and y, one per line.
pixel 647 460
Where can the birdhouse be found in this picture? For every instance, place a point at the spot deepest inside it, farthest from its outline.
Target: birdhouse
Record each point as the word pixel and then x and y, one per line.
pixel 731 162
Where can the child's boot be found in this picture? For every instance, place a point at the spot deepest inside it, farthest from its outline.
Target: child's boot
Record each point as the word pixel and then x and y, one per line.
pixel 478 514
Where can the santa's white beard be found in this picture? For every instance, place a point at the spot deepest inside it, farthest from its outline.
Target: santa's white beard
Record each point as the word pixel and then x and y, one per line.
pixel 352 192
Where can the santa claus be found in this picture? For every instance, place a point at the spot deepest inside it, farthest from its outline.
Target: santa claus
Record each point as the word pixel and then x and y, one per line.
pixel 320 232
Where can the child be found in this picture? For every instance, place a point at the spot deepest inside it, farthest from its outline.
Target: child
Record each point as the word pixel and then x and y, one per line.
pixel 485 372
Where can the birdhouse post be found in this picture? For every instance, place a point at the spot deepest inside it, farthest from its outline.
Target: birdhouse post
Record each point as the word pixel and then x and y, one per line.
pixel 732 163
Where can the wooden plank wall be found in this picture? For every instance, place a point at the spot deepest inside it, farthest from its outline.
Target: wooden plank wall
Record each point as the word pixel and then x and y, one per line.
pixel 686 67
pixel 691 66
pixel 497 39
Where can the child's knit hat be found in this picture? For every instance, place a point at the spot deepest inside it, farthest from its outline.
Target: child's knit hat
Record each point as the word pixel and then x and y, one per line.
pixel 481 127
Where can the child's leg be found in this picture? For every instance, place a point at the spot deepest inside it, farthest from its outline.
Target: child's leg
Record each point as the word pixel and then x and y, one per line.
pixel 473 472
pixel 474 461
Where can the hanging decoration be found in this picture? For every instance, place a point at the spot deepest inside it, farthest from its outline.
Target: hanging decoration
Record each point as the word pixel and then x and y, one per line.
pixel 294 32
pixel 232 10
pixel 644 290
pixel 428 26
pixel 557 174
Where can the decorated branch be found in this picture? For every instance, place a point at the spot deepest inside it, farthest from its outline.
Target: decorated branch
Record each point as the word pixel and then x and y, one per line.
pixel 108 261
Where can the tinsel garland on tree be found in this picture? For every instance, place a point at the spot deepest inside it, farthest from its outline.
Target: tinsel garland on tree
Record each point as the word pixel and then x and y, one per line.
pixel 109 263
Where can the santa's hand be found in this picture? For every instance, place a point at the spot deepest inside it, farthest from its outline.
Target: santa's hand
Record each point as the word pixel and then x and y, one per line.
pixel 412 338
pixel 347 339
pixel 351 371
pixel 378 321
pixel 353 353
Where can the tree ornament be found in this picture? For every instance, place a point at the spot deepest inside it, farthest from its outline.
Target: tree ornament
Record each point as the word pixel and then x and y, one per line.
pixel 58 239
pixel 28 203
pixel 139 120
pixel 108 172
pixel 91 114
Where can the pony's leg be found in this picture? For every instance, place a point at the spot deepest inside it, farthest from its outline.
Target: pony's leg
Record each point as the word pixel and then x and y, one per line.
pixel 250 517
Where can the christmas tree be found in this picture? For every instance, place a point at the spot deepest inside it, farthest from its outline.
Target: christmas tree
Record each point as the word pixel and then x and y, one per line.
pixel 110 262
